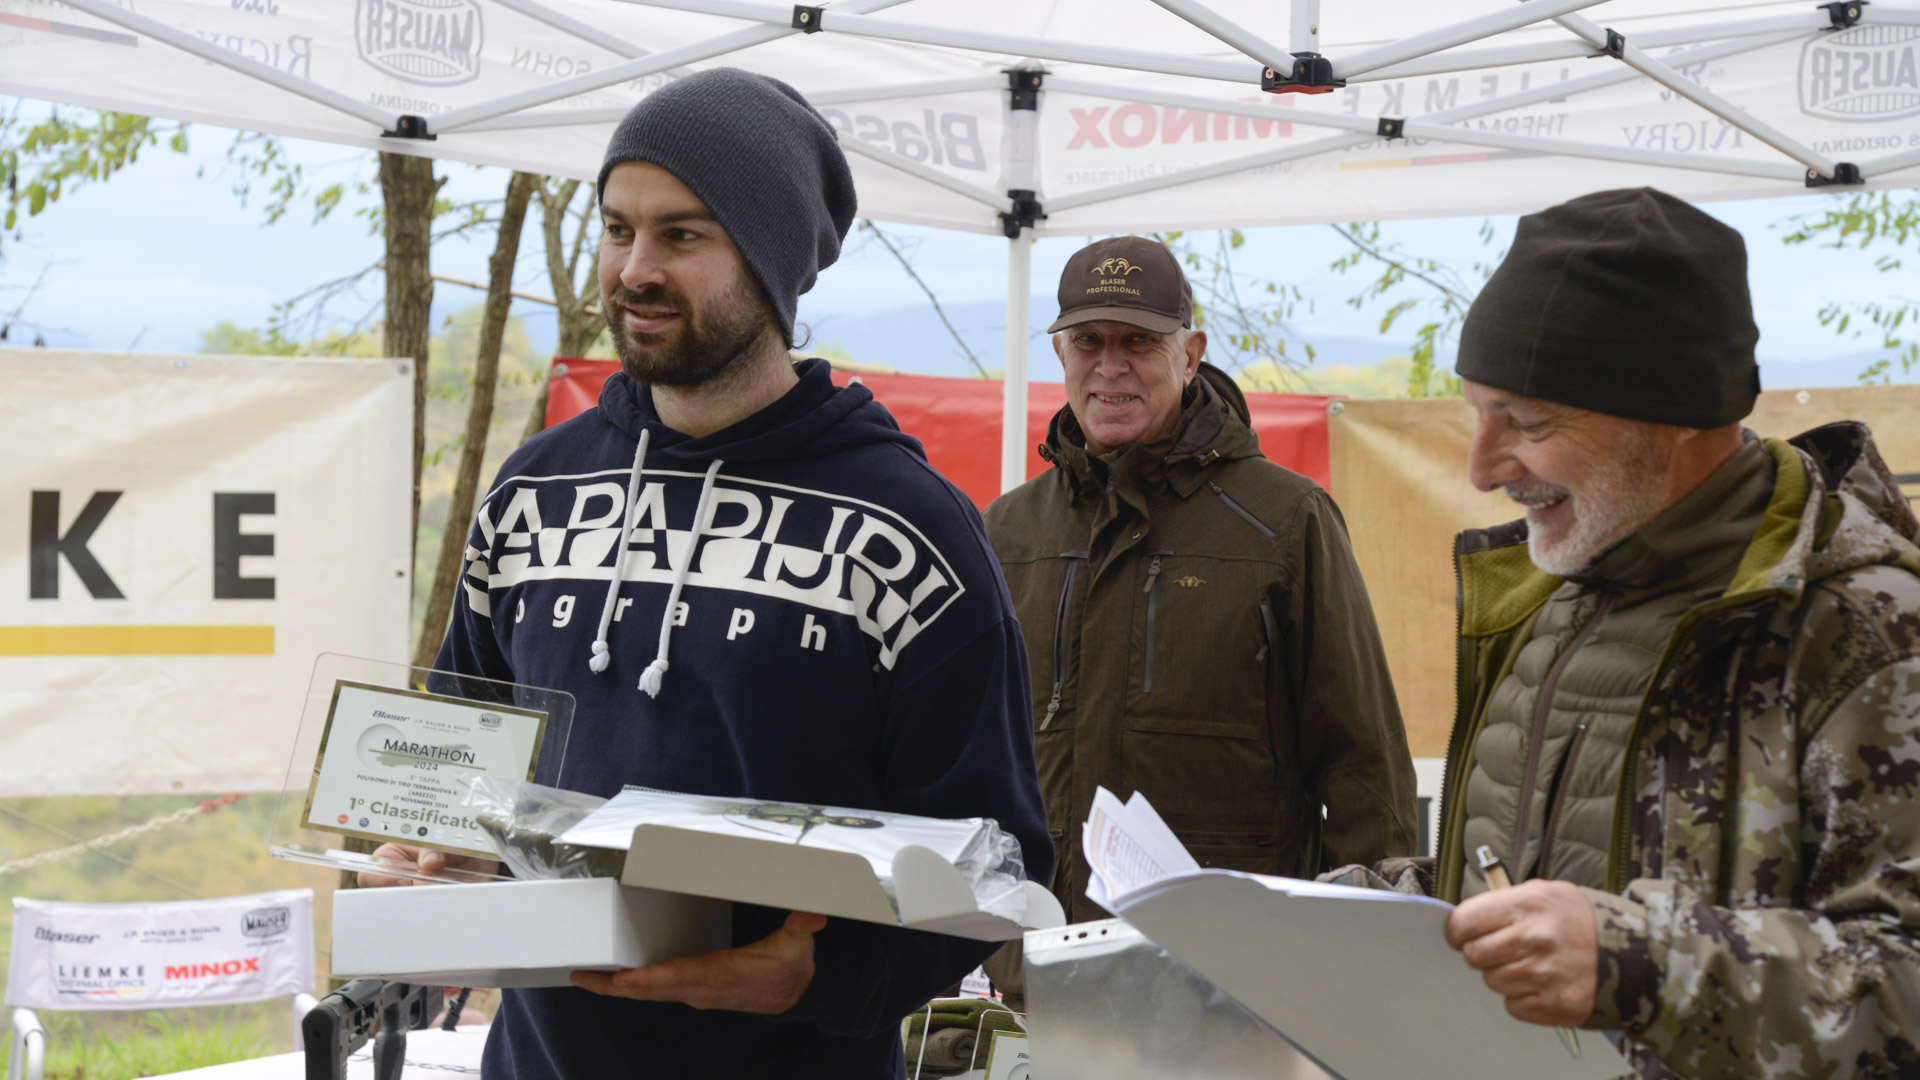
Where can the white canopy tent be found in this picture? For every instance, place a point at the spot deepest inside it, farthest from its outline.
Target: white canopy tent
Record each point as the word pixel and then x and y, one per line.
pixel 1064 117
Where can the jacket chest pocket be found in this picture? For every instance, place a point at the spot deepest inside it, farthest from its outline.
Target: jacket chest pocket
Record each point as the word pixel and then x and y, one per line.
pixel 1047 593
pixel 1204 647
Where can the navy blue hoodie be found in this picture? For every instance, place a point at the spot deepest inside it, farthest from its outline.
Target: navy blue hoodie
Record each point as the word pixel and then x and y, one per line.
pixel 843 637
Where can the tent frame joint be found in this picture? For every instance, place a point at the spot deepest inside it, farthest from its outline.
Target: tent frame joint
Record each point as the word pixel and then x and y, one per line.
pixel 1392 127
pixel 1024 83
pixel 1025 213
pixel 1844 172
pixel 1616 46
pixel 807 19
pixel 1844 15
pixel 409 126
pixel 1311 74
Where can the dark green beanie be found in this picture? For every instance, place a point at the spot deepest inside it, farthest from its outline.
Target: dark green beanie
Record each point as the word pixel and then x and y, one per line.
pixel 1630 303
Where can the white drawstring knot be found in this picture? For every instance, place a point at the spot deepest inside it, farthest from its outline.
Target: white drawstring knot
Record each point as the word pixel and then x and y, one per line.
pixel 652 678
pixel 600 659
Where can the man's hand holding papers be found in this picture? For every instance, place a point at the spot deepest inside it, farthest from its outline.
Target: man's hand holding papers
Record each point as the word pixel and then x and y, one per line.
pixel 1536 945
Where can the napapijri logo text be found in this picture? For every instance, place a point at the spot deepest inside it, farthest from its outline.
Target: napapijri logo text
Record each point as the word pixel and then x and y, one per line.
pixel 430 42
pixel 824 551
pixel 1865 74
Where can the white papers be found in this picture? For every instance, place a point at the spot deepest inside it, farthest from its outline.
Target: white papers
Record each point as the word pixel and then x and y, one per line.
pixel 1362 980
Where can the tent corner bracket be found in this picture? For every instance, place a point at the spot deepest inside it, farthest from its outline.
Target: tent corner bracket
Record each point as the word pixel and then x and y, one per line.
pixel 1392 127
pixel 1024 83
pixel 1843 15
pixel 1025 213
pixel 807 19
pixel 409 126
pixel 1311 74
pixel 1616 46
pixel 1844 172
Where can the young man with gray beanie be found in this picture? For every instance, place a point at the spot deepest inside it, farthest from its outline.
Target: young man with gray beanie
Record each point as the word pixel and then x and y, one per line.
pixel 754 585
pixel 1687 678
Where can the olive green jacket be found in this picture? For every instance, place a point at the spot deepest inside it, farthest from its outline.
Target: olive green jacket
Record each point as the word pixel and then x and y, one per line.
pixel 1761 915
pixel 1198 631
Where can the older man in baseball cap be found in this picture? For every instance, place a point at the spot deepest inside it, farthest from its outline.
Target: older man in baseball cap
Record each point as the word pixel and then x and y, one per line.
pixel 1196 627
pixel 1688 676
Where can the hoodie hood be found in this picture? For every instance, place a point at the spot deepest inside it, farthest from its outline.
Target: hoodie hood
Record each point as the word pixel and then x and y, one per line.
pixel 814 417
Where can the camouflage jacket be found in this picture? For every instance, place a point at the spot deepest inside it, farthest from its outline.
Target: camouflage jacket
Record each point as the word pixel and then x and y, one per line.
pixel 1762 910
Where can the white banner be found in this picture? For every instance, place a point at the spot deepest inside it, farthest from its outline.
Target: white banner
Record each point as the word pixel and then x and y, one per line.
pixel 224 951
pixel 181 536
pixel 932 135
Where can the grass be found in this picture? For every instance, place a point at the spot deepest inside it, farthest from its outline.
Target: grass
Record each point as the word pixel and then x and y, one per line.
pixel 125 1046
pixel 223 853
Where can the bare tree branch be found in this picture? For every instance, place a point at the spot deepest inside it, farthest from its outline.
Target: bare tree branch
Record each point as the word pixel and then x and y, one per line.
pixel 887 242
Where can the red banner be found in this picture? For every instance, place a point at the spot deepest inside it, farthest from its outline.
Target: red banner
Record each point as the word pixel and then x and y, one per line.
pixel 958 420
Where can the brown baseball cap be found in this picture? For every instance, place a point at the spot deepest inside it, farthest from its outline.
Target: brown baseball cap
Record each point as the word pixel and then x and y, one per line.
pixel 1128 279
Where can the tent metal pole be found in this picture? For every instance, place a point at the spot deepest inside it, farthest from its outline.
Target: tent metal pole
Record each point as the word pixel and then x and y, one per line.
pixel 1303 29
pixel 1906 159
pixel 1505 55
pixel 550 118
pixel 926 172
pixel 1891 16
pixel 1432 41
pixel 732 41
pixel 906 90
pixel 850 18
pixel 1765 170
pixel 1013 387
pixel 567 24
pixel 214 54
pixel 1230 32
pixel 1638 60
pixel 1062 203
pixel 1340 142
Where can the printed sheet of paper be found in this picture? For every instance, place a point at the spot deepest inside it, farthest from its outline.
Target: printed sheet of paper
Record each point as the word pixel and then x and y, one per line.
pixel 1362 980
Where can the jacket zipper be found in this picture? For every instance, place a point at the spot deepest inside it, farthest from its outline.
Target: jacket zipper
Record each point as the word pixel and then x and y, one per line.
pixel 1557 797
pixel 1457 737
pixel 1060 636
pixel 1541 710
pixel 1241 510
pixel 1153 594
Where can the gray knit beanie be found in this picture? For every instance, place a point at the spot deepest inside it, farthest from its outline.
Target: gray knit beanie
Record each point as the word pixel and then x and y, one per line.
pixel 763 160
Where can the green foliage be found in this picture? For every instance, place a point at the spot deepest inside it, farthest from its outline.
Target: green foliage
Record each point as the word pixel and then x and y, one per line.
pixel 1441 297
pixel 1871 221
pixel 64 152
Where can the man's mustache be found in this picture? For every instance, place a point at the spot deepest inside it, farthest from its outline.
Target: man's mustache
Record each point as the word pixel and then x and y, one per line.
pixel 652 296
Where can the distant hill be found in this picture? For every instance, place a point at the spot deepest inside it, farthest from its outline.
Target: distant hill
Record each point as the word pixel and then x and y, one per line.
pixel 911 339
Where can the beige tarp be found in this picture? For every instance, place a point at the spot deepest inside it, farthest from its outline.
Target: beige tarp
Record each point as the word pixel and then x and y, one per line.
pixel 1400 476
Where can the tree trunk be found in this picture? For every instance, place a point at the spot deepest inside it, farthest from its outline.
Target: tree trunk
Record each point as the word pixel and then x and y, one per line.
pixel 580 322
pixel 486 376
pixel 408 187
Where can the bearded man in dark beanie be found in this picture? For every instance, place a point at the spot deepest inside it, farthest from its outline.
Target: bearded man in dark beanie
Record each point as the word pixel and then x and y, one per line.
pixel 1689 717
pixel 776 598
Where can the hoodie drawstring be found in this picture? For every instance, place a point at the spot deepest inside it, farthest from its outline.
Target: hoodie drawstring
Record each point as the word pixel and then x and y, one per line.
pixel 656 673
pixel 607 607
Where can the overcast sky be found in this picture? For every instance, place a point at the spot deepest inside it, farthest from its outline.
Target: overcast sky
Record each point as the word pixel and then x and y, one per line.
pixel 164 251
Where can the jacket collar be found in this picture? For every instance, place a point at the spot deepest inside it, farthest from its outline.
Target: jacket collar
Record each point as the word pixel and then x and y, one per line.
pixel 1214 425
pixel 1835 507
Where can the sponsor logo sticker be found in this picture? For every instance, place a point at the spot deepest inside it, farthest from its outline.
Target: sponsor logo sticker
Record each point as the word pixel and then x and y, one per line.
pixel 266 922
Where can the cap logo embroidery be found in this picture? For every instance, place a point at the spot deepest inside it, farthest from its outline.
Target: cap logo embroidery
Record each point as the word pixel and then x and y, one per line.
pixel 1116 266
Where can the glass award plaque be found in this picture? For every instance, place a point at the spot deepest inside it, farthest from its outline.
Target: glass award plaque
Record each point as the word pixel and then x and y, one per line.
pixel 384 753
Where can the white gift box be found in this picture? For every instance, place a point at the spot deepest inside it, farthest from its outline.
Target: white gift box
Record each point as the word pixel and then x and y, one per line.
pixel 518 933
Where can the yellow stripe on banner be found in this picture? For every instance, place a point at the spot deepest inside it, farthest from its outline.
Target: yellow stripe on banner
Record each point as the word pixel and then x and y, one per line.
pixel 1378 163
pixel 136 641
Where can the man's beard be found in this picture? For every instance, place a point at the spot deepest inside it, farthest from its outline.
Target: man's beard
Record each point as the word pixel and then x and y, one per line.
pixel 1614 502
pixel 709 341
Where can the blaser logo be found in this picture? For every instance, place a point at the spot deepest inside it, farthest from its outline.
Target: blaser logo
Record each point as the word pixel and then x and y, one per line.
pixel 1112 267
pixel 1189 582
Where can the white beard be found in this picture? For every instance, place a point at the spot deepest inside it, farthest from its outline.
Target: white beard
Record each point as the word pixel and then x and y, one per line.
pixel 1616 500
